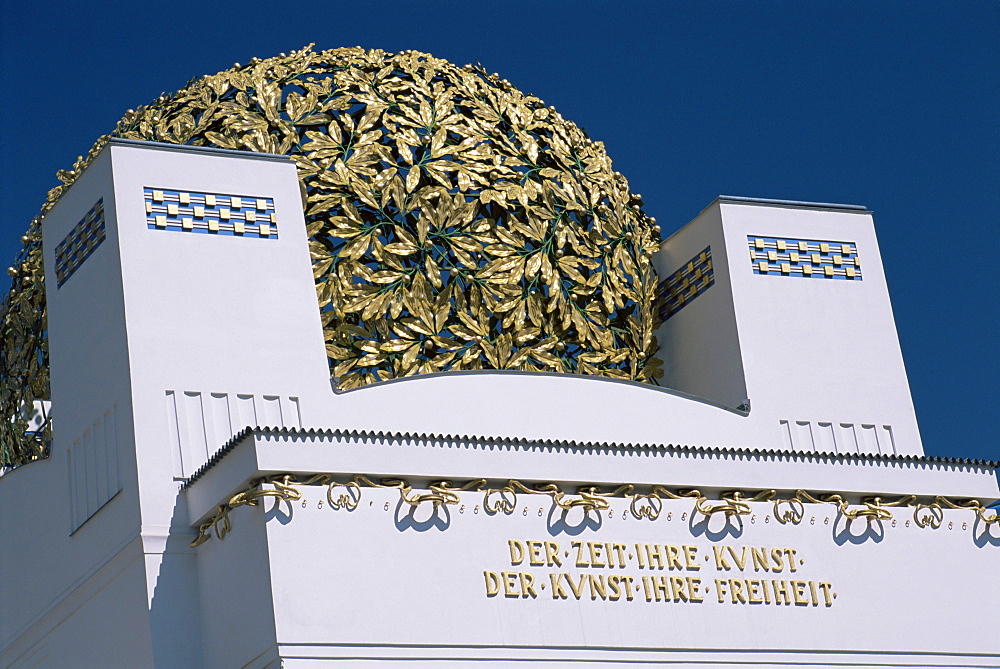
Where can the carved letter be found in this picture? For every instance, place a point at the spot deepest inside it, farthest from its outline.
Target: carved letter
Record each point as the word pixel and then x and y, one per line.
pixel 516 552
pixel 741 561
pixel 799 589
pixel 673 557
pixel 528 585
pixel 552 554
pixel 825 587
pixel 509 584
pixel 580 562
pixel 778 563
pixel 535 553
pixel 595 554
pixel 690 555
pixel 492 583
pixel 694 584
pixel 760 560
pixel 677 585
pixel 720 559
pixel 615 589
pixel 558 592
pixel 790 552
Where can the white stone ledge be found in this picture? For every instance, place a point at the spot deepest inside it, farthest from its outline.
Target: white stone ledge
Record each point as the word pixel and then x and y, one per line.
pixel 421 458
pixel 305 655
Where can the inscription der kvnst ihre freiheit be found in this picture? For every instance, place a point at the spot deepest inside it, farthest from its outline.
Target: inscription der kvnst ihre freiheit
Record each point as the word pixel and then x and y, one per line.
pixel 611 571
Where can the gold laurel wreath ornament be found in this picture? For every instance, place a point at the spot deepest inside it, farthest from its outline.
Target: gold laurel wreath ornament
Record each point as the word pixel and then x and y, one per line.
pixel 455 223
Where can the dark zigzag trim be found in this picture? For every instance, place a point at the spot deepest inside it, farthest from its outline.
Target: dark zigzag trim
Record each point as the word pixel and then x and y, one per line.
pixel 365 435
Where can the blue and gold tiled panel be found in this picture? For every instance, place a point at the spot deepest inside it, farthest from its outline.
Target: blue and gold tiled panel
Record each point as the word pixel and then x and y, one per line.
pixel 687 283
pixel 210 213
pixel 804 258
pixel 81 241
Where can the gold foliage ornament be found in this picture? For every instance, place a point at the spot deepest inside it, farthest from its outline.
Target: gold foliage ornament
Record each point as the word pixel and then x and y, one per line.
pixel 501 498
pixel 24 358
pixel 454 221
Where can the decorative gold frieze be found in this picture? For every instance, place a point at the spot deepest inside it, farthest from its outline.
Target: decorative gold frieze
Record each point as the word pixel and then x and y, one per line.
pixel 502 499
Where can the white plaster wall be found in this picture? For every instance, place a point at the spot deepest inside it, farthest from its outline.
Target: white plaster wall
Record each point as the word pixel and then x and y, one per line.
pixel 700 344
pixel 100 625
pixel 235 598
pixel 816 350
pixel 212 314
pixel 53 586
pixel 149 313
pixel 537 406
pixel 209 319
pixel 818 359
pixel 70 540
pixel 385 581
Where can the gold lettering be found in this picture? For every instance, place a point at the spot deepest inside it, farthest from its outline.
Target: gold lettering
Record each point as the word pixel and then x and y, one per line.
pixel 737 591
pixel 778 564
pixel 620 552
pixel 825 587
pixel 576 588
pixel 578 545
pixel 760 560
pixel 690 557
pixel 753 592
pixel 492 583
pixel 677 586
pixel 741 561
pixel 781 593
pixel 615 588
pixel 595 554
pixel 528 585
pixel 666 588
pixel 674 558
pixel 720 559
pixel 558 592
pixel 694 585
pixel 661 585
pixel 516 552
pixel 654 555
pixel 790 552
pixel 552 554
pixel 598 586
pixel 720 589
pixel 627 580
pixel 510 584
pixel 799 588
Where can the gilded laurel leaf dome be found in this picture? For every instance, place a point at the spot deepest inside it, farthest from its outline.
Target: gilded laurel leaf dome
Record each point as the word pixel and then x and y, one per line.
pixel 455 222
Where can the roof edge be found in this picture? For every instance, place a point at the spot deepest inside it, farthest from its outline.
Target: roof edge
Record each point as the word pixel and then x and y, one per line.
pixel 330 433
pixel 213 150
pixel 798 204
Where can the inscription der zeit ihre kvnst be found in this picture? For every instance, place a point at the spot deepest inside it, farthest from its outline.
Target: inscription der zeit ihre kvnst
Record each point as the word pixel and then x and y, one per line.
pixel 738 574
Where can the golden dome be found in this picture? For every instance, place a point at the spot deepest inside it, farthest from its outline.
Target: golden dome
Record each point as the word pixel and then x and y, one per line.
pixel 455 222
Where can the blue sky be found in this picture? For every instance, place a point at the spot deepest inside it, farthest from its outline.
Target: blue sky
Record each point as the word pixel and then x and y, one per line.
pixel 892 105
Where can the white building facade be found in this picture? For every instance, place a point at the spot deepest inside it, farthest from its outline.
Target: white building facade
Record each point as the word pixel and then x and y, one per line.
pixel 209 500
